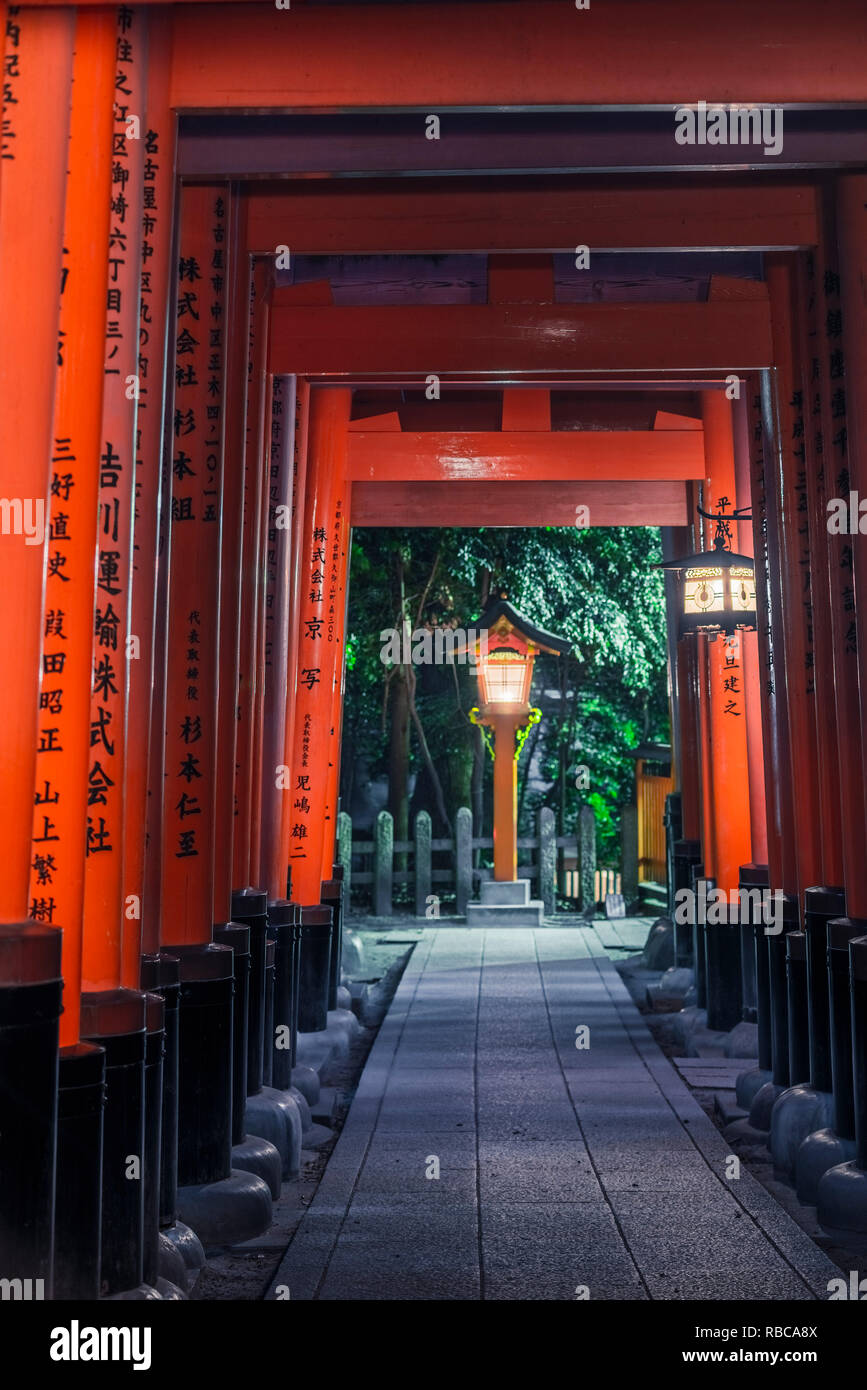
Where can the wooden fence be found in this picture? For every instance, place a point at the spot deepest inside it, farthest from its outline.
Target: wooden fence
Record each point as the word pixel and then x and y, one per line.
pixel 651 788
pixel 370 863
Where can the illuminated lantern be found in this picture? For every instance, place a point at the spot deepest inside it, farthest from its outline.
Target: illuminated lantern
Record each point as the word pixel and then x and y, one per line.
pixel 718 586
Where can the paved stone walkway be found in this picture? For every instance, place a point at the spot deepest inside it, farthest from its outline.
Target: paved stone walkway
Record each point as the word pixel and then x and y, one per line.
pixel 560 1169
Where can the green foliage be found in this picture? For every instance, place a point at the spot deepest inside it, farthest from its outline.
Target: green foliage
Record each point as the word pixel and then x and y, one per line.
pixel 596 587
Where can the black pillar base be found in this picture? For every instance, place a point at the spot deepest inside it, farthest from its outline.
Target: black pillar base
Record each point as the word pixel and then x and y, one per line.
pixel 316 930
pixel 224 1206
pixel 29 1013
pixel 78 1208
pixel 116 1020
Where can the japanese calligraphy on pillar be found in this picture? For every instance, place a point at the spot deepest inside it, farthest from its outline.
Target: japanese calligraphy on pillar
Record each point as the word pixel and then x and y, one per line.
pixel 191 692
pixel 831 371
pixel 103 892
pixel 151 487
pixel 11 80
pixel 63 755
pixel 802 524
pixel 759 496
pixel 34 150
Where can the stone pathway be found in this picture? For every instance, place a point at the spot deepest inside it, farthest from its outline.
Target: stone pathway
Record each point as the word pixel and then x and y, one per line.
pixel 563 1172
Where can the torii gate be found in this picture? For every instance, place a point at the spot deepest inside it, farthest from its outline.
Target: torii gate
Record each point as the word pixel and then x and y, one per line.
pixel 142 622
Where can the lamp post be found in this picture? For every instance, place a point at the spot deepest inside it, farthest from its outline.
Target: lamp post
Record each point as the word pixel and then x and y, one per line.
pixel 505 655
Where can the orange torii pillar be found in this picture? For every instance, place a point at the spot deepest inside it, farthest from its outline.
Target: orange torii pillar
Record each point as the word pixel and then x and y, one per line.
pixel 755 874
pixel 258 721
pixel 38 48
pixel 253 463
pixel 828 457
pixel 63 747
pixel 238 306
pixel 320 625
pixel 779 798
pixel 758 1089
pixel 798 664
pixel 278 568
pixel 285 499
pixel 249 905
pixel 815 453
pixel 218 1202
pixel 849 353
pixel 250 1153
pixel 278 866
pixel 811 701
pixel 115 1013
pixel 842 1191
pixel 145 764
pixel 726 803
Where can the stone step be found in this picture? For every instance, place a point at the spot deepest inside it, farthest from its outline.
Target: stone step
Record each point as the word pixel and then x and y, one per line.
pixel 528 914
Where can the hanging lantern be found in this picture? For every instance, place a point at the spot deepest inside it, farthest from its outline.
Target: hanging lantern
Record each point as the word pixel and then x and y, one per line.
pixel 718 586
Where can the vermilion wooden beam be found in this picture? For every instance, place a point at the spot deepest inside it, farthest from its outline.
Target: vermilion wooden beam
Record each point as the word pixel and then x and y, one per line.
pixel 493 340
pixel 518 503
pixel 346 216
pixel 525 455
pixel 464 54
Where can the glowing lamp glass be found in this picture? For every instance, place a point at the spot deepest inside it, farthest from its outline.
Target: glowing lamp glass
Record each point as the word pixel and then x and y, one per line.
pixel 703 590
pixel 743 589
pixel 505 674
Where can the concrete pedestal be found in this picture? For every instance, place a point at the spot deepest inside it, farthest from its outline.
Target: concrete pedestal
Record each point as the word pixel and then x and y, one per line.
pixel 274 1116
pixel 842 1205
pixel 821 1150
pixel 185 1244
pixel 256 1155
pixel 798 1112
pixel 763 1104
pixel 505 904
pixel 748 1085
pixel 235 1209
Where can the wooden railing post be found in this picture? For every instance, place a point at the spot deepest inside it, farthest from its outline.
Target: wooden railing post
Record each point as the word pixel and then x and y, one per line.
pixel 383 864
pixel 547 859
pixel 463 858
pixel 422 835
pixel 587 856
pixel 344 853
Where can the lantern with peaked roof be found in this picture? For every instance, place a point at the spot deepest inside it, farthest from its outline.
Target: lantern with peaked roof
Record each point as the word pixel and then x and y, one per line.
pixel 718 586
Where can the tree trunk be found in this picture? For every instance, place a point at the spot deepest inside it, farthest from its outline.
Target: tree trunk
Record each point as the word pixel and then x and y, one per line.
pixel 398 762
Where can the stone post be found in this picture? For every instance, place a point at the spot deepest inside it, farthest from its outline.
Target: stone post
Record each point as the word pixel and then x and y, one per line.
pixel 383 864
pixel 422 862
pixel 587 856
pixel 629 853
pixel 463 858
pixel 344 853
pixel 547 858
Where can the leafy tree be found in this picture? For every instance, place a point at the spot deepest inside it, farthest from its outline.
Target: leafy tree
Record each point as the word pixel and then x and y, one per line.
pixel 596 587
